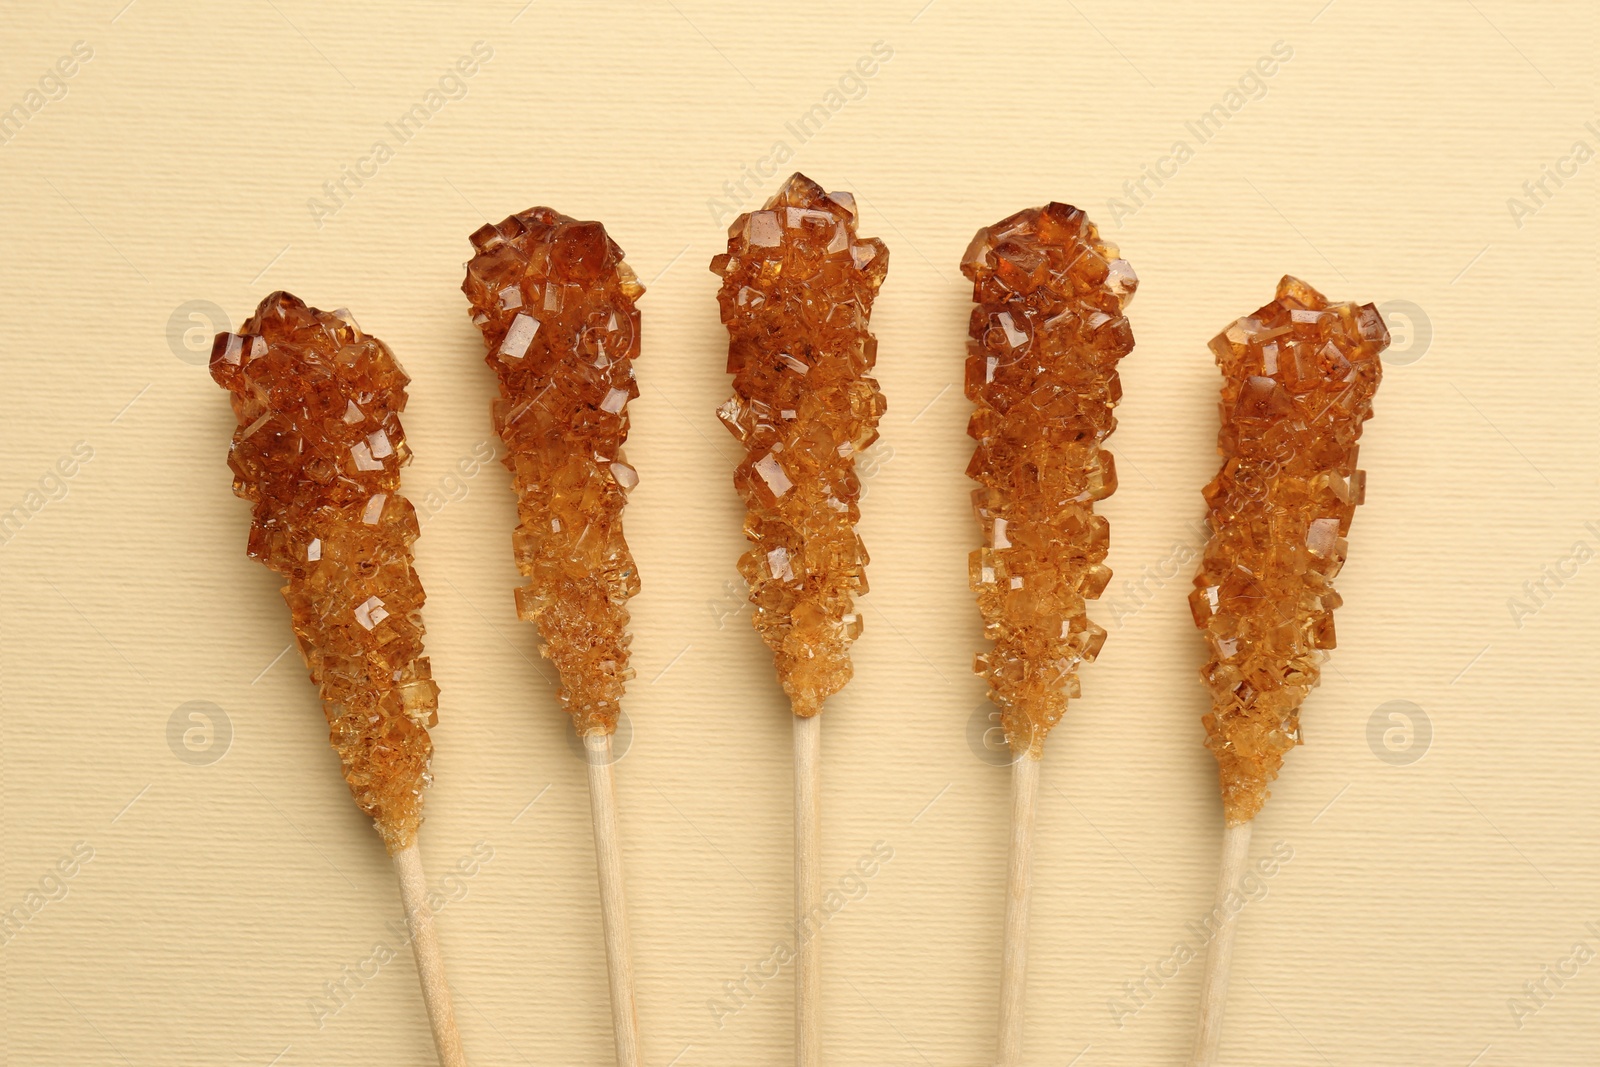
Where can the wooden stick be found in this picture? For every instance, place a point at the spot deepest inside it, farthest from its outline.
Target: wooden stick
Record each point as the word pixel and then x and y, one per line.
pixel 613 903
pixel 1214 987
pixel 1019 892
pixel 807 890
pixel 430 961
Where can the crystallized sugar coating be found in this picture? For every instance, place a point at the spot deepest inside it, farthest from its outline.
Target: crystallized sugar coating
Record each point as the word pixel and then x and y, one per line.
pixel 1045 339
pixel 1298 380
pixel 318 451
pixel 555 304
pixel 796 296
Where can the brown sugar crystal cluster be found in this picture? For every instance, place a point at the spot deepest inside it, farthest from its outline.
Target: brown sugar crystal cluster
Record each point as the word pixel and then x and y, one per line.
pixel 318 451
pixel 1045 339
pixel 555 303
pixel 797 292
pixel 1298 380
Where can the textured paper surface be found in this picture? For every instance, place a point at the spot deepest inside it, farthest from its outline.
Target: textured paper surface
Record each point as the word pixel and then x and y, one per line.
pixel 224 895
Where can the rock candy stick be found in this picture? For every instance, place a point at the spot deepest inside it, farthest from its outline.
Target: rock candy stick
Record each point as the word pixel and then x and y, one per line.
pixel 1298 381
pixel 1045 340
pixel 318 452
pixel 555 304
pixel 797 292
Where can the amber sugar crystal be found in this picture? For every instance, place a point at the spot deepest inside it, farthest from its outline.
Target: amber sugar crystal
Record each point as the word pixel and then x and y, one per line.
pixel 1044 342
pixel 1298 380
pixel 318 451
pixel 797 292
pixel 555 304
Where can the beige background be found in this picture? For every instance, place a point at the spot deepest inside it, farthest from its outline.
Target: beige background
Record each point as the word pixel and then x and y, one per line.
pixel 1421 897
